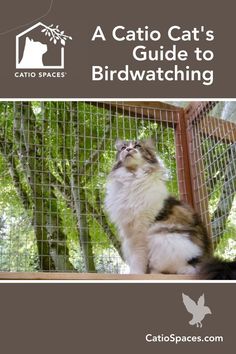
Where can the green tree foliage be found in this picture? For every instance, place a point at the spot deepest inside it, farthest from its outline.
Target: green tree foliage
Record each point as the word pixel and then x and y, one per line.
pixel 55 158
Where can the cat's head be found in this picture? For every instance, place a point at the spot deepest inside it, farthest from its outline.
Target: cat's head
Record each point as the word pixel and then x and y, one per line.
pixel 134 154
pixel 36 46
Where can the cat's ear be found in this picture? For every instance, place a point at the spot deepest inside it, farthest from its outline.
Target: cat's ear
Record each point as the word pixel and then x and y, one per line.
pixel 149 143
pixel 118 144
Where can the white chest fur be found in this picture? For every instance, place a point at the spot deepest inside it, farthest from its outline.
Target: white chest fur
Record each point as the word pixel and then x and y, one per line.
pixel 133 199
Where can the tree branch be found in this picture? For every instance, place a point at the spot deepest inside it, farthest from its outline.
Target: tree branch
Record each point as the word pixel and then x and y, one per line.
pixel 95 156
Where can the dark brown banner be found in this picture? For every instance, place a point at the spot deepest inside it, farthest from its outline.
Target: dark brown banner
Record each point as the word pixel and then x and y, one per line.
pixel 104 49
pixel 115 318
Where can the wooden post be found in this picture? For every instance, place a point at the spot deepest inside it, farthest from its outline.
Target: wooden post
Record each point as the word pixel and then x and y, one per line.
pixel 182 160
pixel 92 276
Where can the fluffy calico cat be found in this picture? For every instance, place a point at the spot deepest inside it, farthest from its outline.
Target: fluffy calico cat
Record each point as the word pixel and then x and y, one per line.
pixel 159 233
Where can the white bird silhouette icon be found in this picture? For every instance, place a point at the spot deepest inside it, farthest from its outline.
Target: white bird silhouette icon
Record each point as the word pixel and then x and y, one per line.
pixel 199 310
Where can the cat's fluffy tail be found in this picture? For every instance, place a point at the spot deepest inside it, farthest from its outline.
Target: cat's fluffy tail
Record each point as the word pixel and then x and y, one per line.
pixel 217 269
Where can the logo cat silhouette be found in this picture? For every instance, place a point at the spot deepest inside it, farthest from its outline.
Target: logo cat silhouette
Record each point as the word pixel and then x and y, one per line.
pixel 33 54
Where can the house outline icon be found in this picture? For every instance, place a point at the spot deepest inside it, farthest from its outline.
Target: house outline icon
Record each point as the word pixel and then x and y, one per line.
pixel 61 66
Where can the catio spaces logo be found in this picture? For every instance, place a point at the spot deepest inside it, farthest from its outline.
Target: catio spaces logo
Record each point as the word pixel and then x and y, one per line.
pixel 41 47
pixel 198 311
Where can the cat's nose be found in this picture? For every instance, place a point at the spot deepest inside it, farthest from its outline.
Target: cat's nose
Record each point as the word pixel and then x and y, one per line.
pixel 129 149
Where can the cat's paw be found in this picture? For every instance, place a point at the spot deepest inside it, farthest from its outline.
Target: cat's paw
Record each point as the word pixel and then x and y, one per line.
pixel 188 269
pixel 136 271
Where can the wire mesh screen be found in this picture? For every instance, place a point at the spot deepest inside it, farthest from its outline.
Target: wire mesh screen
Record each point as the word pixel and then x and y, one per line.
pixel 54 161
pixel 212 139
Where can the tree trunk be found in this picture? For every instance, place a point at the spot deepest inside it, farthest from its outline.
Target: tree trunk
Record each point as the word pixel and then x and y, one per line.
pixel 34 163
pixel 58 244
pixel 84 235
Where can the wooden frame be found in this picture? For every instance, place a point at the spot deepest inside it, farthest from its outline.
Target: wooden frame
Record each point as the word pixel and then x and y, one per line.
pixel 219 129
pixel 199 190
pixel 187 146
pixel 183 161
pixel 213 128
pixel 150 110
pixel 92 276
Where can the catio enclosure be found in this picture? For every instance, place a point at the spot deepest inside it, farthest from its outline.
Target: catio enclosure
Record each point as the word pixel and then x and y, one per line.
pixel 54 160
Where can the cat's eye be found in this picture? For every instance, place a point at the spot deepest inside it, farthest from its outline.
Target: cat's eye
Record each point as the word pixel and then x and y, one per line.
pixel 137 146
pixel 123 147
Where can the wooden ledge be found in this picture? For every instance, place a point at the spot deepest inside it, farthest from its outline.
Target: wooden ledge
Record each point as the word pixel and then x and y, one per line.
pixel 91 276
